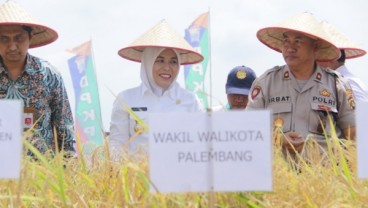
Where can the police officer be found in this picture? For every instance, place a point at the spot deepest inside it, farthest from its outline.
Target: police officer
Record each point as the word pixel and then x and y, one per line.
pixel 300 94
pixel 239 81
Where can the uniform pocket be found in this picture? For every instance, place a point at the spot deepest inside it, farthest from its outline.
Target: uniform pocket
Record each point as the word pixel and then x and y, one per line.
pixel 282 115
pixel 319 119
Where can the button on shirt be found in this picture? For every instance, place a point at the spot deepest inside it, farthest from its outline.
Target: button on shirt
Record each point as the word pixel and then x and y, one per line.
pixel 142 101
pixel 41 87
pixel 301 110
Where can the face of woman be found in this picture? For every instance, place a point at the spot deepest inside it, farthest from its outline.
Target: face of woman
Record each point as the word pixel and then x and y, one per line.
pixel 165 68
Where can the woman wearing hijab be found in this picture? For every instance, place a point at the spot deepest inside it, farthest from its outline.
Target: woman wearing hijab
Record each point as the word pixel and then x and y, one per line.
pixel 161 51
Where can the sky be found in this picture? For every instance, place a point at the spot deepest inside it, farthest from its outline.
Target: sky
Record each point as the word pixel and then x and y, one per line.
pixel 113 24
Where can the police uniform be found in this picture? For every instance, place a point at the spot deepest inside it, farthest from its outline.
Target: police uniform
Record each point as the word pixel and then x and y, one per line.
pixel 302 110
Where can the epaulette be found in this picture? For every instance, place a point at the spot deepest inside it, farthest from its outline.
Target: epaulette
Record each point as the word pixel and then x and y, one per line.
pixel 338 77
pixel 340 80
pixel 269 71
pixel 333 72
pixel 273 69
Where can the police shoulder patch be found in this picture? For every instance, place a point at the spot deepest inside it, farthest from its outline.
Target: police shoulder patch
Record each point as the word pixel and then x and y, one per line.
pixel 256 90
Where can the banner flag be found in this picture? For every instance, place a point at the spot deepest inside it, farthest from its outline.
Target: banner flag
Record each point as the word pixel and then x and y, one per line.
pixel 88 122
pixel 194 74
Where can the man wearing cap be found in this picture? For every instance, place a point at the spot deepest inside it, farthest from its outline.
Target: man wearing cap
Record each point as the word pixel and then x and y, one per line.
pixel 349 50
pixel 300 94
pixel 34 81
pixel 239 81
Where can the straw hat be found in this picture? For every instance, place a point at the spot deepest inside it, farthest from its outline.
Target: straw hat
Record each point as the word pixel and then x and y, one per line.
pixel 13 14
pixel 161 35
pixel 304 23
pixel 351 49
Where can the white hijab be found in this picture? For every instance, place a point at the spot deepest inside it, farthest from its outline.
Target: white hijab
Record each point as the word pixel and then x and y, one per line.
pixel 148 59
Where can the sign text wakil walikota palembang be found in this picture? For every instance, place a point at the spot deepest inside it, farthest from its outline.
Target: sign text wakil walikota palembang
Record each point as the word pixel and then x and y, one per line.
pixel 211 137
pixel 220 151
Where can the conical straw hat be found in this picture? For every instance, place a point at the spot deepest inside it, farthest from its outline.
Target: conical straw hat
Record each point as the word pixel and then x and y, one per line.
pixel 306 24
pixel 13 14
pixel 163 36
pixel 351 49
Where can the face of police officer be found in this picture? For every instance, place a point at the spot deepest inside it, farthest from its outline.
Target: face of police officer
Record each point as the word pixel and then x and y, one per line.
pixel 298 49
pixel 165 68
pixel 14 44
pixel 237 101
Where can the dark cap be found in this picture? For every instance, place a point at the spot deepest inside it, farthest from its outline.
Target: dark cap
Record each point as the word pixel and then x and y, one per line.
pixel 239 80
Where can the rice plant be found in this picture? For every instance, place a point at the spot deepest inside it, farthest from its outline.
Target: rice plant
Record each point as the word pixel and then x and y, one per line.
pixel 103 180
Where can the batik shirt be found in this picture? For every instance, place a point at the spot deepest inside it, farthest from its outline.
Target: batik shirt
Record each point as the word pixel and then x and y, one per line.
pixel 41 87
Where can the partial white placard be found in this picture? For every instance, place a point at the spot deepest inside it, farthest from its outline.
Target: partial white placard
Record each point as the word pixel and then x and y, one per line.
pixel 362 138
pixel 11 130
pixel 218 151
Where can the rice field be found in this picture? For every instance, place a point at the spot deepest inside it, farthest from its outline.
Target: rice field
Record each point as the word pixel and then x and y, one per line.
pixel 98 181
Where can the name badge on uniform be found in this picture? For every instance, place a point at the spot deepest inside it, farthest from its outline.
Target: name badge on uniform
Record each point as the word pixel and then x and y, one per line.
pixel 28 117
pixel 139 108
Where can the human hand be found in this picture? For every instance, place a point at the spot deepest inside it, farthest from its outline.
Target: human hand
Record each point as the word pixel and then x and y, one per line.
pixel 293 140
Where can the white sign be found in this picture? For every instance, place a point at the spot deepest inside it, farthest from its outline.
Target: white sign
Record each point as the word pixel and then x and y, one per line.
pixel 362 138
pixel 218 151
pixel 11 129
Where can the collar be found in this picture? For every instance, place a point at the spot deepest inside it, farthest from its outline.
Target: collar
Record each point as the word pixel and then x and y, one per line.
pixel 32 64
pixel 317 74
pixel 30 67
pixel 172 92
pixel 342 70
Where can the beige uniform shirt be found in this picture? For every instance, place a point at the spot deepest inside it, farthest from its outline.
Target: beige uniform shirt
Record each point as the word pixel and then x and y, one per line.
pixel 300 110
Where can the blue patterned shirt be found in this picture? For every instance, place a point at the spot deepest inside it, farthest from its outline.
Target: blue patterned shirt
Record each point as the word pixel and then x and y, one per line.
pixel 41 87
